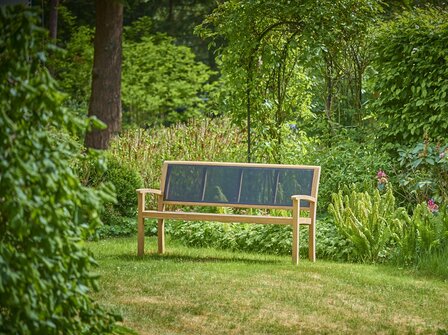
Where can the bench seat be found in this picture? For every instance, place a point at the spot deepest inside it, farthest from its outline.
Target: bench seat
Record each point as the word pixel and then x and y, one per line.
pixel 240 218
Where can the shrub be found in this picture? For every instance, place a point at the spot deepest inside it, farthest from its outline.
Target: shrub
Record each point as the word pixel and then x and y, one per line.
pixel 368 221
pixel 125 181
pixel 45 212
pixel 410 82
pixel 170 73
pixel 424 172
pixel 348 161
pixel 271 239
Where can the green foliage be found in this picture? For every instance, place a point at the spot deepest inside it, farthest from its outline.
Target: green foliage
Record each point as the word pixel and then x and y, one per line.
pixel 74 68
pixel 331 243
pixel 410 79
pixel 126 180
pixel 272 239
pixel 267 45
pixel 45 212
pixel 269 239
pixel 204 140
pixel 162 82
pixel 379 231
pixel 367 221
pixel 422 236
pixel 424 172
pixel 116 215
pixel 349 160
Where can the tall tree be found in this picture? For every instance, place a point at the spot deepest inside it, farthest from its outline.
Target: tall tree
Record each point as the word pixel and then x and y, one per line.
pixel 53 24
pixel 105 101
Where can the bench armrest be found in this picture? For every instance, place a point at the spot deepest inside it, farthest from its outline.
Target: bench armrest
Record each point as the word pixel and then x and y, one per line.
pixel 149 190
pixel 304 197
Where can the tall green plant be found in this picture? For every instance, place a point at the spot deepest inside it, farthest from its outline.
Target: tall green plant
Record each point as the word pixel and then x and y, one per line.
pixel 205 140
pixel 422 235
pixel 368 221
pixel 45 212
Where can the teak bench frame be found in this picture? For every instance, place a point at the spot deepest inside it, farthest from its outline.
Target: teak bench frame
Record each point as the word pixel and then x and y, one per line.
pixel 295 220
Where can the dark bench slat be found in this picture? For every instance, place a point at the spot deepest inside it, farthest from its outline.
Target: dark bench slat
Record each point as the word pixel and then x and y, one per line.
pixel 237 185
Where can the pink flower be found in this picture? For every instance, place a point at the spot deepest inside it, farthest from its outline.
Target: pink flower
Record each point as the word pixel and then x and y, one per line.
pixel 441 155
pixel 381 174
pixel 432 206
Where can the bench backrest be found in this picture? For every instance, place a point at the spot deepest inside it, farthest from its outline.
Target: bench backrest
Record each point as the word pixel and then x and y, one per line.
pixel 237 184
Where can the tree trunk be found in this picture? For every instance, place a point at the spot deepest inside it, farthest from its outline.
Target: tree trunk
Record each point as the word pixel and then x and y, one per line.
pixel 105 101
pixel 53 22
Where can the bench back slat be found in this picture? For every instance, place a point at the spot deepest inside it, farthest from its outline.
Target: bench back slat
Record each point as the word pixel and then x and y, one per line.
pixel 238 184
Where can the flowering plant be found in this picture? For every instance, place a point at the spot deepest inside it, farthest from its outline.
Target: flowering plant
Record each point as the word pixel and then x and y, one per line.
pixel 382 178
pixel 432 206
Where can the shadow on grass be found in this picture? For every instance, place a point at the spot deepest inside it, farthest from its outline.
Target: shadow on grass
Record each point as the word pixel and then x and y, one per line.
pixel 180 258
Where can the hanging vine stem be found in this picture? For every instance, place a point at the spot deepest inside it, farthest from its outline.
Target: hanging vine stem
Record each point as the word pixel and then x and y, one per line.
pixel 249 79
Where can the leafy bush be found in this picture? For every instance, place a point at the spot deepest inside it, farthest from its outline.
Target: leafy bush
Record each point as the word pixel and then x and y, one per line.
pixel 271 239
pixel 347 161
pixel 410 82
pixel 424 172
pixel 330 243
pixel 74 68
pixel 368 221
pixel 125 181
pixel 45 212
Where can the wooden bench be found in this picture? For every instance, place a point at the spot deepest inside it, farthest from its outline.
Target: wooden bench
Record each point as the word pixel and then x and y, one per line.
pixel 239 185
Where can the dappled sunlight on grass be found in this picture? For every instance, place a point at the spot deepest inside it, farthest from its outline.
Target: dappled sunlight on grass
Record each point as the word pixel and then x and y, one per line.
pixel 207 291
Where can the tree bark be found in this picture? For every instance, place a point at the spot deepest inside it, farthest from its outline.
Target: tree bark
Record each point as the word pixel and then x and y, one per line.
pixel 53 22
pixel 105 101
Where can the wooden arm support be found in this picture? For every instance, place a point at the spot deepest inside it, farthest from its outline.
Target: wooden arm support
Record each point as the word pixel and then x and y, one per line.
pixel 149 190
pixel 141 193
pixel 304 197
pixel 296 199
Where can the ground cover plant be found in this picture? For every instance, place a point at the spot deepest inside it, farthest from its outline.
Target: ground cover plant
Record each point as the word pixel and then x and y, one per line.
pixel 206 291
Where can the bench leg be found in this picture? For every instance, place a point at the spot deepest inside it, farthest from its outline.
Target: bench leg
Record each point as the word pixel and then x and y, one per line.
pixel 141 225
pixel 295 232
pixel 161 235
pixel 161 228
pixel 312 234
pixel 141 236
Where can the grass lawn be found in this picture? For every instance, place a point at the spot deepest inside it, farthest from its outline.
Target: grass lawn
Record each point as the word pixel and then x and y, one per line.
pixel 206 291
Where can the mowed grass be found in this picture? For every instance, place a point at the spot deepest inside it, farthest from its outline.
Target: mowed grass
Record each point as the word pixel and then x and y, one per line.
pixel 206 291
